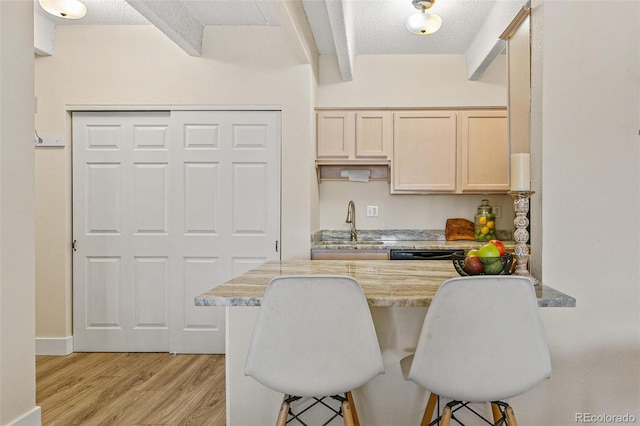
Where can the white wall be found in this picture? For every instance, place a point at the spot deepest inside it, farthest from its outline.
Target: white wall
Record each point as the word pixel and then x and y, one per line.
pixel 407 81
pixel 138 65
pixel 17 240
pixel 585 118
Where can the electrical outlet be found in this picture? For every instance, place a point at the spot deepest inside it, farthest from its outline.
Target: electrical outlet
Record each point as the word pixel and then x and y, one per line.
pixel 372 211
pixel 498 212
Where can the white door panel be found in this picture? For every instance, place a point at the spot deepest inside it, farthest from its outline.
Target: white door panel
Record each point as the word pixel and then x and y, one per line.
pixel 151 197
pixel 229 210
pixel 121 267
pixel 167 205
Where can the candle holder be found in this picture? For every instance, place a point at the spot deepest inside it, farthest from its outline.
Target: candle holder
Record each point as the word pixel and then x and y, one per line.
pixel 521 235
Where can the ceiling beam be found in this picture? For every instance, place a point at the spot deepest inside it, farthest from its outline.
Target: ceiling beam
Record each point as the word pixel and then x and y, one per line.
pixel 43 35
pixel 293 21
pixel 486 44
pixel 341 22
pixel 175 21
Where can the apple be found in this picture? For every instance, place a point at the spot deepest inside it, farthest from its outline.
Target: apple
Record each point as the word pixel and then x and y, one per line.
pixel 500 246
pixel 472 252
pixel 473 265
pixel 489 253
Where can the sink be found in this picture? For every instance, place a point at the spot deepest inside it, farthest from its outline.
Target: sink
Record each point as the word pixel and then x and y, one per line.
pixel 345 242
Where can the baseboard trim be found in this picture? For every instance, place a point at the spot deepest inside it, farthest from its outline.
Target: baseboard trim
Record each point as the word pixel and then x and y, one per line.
pixel 54 345
pixel 32 418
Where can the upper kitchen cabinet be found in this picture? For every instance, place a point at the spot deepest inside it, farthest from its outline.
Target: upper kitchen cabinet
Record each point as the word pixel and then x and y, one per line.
pixel 353 136
pixel 450 151
pixel 432 151
pixel 483 161
pixel 424 152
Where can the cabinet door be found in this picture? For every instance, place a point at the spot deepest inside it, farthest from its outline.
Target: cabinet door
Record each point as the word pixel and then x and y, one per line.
pixel 336 134
pixel 424 152
pixel 373 134
pixel 484 151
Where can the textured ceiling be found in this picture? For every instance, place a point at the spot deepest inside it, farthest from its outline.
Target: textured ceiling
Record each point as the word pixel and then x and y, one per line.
pixel 378 25
pixel 208 12
pixel 344 28
pixel 100 12
pixel 232 12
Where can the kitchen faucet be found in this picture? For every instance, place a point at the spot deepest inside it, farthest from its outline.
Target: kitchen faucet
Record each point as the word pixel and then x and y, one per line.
pixel 351 218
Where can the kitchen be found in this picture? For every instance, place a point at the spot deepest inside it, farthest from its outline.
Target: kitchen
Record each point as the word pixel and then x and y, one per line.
pixel 594 347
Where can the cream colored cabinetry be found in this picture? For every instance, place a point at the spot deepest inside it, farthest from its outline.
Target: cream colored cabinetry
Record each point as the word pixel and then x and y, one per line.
pixel 450 151
pixel 431 151
pixel 424 152
pixel 353 136
pixel 483 160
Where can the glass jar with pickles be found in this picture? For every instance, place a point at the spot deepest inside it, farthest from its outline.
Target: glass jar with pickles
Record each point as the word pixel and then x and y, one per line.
pixel 485 222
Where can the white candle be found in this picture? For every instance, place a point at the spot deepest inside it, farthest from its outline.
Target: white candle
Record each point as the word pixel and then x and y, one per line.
pixel 520 177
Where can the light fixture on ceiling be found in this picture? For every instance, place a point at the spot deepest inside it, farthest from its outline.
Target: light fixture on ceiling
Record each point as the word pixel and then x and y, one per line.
pixel 68 9
pixel 423 23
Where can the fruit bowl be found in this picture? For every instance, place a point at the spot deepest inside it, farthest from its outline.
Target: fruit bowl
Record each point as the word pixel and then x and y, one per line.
pixel 476 265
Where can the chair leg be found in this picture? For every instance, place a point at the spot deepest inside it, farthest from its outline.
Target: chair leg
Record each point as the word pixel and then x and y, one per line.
pixel 356 421
pixel 445 420
pixel 428 411
pixel 497 415
pixel 511 418
pixel 347 414
pixel 284 412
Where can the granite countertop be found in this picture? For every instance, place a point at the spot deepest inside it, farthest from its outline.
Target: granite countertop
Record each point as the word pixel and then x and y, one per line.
pixel 404 245
pixel 385 283
pixel 397 239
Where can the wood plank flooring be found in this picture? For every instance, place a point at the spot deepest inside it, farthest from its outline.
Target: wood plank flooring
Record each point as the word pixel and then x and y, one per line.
pixel 131 389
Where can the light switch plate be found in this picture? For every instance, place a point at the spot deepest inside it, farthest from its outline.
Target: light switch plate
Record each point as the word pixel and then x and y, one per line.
pixel 372 211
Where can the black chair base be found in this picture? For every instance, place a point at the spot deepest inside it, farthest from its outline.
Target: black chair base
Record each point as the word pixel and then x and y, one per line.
pixel 502 413
pixel 345 410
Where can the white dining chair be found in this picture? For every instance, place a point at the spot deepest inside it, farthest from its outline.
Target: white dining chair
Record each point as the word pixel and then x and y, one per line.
pixel 314 338
pixel 482 340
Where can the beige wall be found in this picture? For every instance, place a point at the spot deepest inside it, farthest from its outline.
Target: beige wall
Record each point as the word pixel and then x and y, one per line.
pixel 138 65
pixel 17 235
pixel 401 211
pixel 585 151
pixel 407 81
pixel 411 81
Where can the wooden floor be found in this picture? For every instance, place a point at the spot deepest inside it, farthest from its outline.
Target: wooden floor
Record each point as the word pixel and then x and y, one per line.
pixel 131 389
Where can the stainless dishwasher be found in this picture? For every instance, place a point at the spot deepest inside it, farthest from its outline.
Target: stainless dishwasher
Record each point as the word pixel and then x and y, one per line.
pixel 348 254
pixel 422 254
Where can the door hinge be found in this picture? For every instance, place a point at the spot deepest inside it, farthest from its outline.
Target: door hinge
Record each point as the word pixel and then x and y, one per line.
pixel 276 246
pixel 73 245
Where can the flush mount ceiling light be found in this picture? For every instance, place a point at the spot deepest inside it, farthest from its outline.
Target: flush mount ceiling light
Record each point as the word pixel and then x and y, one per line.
pixel 68 9
pixel 423 23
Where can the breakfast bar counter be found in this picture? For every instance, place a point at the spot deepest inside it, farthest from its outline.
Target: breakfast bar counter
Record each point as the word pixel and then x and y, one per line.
pixel 385 283
pixel 398 292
